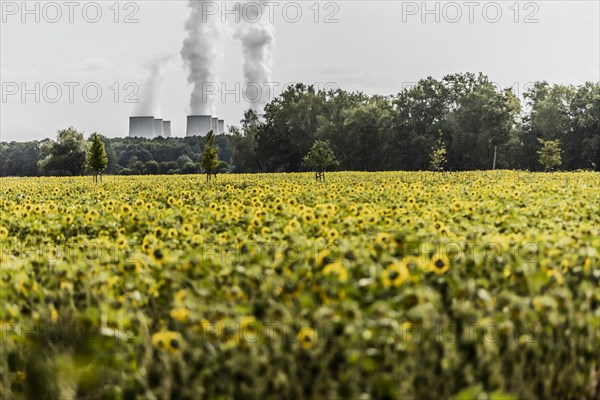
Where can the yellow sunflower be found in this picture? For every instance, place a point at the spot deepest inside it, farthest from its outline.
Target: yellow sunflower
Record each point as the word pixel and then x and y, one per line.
pixel 395 274
pixel 307 337
pixel 336 268
pixel 168 340
pixel 439 265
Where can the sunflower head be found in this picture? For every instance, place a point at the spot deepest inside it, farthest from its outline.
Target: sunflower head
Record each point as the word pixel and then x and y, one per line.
pixel 168 341
pixel 308 217
pixel 157 254
pixel 332 234
pixel 172 233
pixel 395 274
pixel 383 239
pixel 187 229
pixel 336 268
pixel 439 265
pixel 121 242
pixel 307 337
pixel 159 232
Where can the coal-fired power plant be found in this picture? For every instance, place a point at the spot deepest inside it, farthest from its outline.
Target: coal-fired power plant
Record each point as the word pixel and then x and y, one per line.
pixel 202 54
pixel 197 125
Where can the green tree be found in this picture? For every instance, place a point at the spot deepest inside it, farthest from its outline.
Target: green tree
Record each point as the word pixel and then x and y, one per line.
pixel 438 155
pixel 480 118
pixel 151 167
pixel 19 159
pixel 97 159
pixel 365 126
pixel 584 138
pixel 550 118
pixel 184 159
pixel 66 155
pixel 243 143
pixel 166 166
pixel 420 112
pixel 112 167
pixel 549 154
pixel 319 158
pixel 189 168
pixel 210 157
pixel 289 128
pixel 337 123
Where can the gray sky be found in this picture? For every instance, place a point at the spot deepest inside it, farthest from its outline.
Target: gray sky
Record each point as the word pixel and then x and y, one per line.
pixel 375 46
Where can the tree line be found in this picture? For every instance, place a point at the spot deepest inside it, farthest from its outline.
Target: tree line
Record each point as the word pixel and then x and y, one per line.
pixel 467 112
pixel 67 155
pixel 464 116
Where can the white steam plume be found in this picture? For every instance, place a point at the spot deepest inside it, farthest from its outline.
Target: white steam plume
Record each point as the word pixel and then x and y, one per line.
pixel 257 36
pixel 150 92
pixel 202 53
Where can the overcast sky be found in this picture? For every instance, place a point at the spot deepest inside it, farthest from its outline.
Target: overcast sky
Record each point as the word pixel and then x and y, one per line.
pixel 375 47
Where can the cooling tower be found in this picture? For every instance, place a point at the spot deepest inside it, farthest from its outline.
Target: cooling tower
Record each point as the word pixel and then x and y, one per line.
pixel 141 127
pixel 215 125
pixel 167 128
pixel 198 125
pixel 221 128
pixel 158 127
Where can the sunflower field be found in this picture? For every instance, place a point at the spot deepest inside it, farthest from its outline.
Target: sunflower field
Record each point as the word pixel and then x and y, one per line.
pixel 394 285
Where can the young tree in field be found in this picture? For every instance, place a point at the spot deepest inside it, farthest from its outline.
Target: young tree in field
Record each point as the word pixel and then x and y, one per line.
pixel 438 155
pixel 97 160
pixel 549 154
pixel 319 158
pixel 210 158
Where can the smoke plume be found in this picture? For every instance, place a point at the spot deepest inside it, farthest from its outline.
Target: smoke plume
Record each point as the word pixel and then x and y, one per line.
pixel 257 36
pixel 202 54
pixel 150 92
